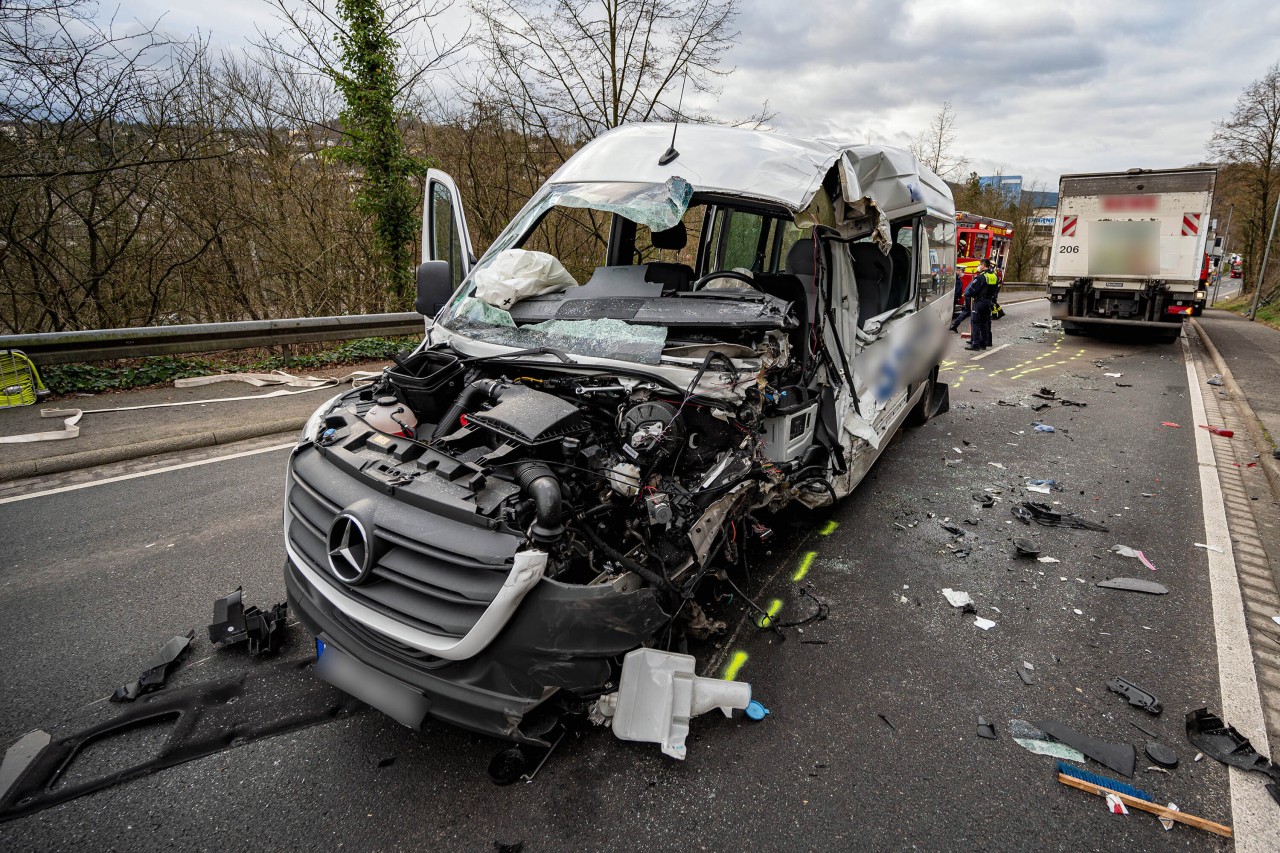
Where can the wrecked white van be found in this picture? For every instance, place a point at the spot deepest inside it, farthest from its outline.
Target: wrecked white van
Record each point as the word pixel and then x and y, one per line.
pixel 671 339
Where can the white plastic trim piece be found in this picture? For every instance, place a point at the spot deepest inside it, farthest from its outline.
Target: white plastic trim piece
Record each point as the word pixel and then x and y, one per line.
pixel 528 570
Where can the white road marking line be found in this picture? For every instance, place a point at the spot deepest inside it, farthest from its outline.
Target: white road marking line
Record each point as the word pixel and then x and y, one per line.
pixel 1252 809
pixel 134 476
pixel 990 352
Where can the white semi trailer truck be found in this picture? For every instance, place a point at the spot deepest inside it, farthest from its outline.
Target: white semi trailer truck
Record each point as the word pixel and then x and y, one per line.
pixel 1129 250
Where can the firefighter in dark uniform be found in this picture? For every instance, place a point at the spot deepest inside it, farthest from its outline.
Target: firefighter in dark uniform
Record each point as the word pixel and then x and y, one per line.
pixel 984 289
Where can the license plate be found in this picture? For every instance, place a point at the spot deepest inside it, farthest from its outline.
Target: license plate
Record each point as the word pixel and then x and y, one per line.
pixel 398 701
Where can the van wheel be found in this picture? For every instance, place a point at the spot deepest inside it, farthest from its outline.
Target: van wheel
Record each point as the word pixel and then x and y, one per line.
pixel 919 416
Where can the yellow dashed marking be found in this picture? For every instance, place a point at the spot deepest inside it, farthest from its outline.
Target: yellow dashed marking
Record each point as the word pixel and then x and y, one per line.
pixel 735 664
pixel 806 563
pixel 828 528
pixel 772 610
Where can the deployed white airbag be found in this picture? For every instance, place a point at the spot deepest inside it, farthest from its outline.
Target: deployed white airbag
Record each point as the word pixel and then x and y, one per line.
pixel 516 274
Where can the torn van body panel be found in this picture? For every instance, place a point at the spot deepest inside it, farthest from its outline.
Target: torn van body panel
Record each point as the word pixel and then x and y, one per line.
pixel 580 446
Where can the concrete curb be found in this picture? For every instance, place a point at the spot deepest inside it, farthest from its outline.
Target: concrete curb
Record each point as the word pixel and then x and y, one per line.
pixel 1269 465
pixel 169 444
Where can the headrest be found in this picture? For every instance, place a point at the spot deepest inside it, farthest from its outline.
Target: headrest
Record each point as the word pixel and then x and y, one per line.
pixel 674 238
pixel 800 257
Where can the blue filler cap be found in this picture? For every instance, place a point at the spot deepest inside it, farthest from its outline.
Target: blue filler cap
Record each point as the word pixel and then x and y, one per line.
pixel 756 711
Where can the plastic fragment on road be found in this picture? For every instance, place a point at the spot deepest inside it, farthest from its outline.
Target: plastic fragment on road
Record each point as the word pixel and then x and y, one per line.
pixel 1225 433
pixel 1024 672
pixel 984 624
pixel 1134 585
pixel 1044 428
pixel 1113 375
pixel 263 630
pixel 1171 424
pixel 1126 551
pixel 986 730
pixel 756 711
pixel 657 695
pixel 1161 754
pixel 1046 515
pixel 1215 379
pixel 1217 548
pixel 157 670
pixel 1033 740
pixel 1120 757
pixel 1208 733
pixel 956 597
pixel 1038 489
pixel 1115 805
pixel 1136 696
pixel 1167 822
pixel 209 717
pixel 996 465
pixel 1025 547
pixel 1047 560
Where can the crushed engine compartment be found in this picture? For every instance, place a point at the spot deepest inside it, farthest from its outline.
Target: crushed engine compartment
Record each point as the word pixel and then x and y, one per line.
pixel 611 473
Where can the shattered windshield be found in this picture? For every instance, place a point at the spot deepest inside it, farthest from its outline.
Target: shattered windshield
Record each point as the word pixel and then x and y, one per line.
pixel 556 243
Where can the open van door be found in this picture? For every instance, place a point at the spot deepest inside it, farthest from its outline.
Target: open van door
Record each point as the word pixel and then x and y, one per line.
pixel 447 255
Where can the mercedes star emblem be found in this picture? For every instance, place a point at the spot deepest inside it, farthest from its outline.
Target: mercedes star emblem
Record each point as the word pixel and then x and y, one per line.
pixel 350 554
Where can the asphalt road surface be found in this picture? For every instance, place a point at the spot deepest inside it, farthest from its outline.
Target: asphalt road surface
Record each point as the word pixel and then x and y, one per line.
pixel 870 743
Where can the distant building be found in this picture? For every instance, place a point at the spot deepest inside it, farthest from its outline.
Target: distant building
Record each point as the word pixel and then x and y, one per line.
pixel 1009 185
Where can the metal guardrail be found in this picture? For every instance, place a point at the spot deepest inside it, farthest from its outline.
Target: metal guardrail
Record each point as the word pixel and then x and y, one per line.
pixel 103 344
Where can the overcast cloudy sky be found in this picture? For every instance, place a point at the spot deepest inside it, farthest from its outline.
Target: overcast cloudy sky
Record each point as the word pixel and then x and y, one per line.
pixel 1039 88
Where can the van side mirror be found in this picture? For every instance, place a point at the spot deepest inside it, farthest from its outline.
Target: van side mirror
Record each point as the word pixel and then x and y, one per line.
pixel 435 287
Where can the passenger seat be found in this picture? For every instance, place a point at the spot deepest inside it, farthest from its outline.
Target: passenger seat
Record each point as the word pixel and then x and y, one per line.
pixel 674 277
pixel 873 271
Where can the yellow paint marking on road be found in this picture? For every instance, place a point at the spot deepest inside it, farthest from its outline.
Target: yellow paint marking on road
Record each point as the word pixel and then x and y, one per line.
pixel 772 610
pixel 806 563
pixel 735 665
pixel 828 528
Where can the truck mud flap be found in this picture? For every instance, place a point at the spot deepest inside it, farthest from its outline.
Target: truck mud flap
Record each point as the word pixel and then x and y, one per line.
pixel 201 719
pixel 941 400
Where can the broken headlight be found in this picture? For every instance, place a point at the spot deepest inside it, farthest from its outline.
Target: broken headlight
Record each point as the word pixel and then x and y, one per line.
pixel 311 429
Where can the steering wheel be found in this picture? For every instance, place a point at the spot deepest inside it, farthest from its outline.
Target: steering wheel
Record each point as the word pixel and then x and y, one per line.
pixel 700 283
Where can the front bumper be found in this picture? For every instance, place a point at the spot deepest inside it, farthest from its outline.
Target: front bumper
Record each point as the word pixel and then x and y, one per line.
pixel 421 620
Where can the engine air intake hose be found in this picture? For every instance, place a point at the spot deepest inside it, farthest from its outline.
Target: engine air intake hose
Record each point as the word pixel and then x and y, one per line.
pixel 468 401
pixel 539 483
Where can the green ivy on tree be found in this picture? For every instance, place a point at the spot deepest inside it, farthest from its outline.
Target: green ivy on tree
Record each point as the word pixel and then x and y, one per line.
pixel 367 79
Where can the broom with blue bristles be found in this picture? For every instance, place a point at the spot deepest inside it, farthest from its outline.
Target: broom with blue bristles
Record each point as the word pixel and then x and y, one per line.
pixel 1132 797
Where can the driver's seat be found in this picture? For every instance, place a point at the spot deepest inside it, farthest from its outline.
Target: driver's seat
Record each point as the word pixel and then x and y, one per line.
pixel 674 277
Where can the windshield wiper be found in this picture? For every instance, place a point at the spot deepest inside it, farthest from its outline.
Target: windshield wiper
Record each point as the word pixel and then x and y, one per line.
pixel 558 353
pixel 741 294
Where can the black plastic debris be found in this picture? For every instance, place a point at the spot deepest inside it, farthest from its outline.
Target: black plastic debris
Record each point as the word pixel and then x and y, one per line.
pixel 1146 731
pixel 1025 547
pixel 1138 697
pixel 204 719
pixel 986 730
pixel 156 671
pixel 986 501
pixel 1120 757
pixel 1021 513
pixel 885 719
pixel 1064 401
pixel 1209 734
pixel 1134 585
pixel 1046 394
pixel 1161 754
pixel 1046 515
pixel 952 529
pixel 235 623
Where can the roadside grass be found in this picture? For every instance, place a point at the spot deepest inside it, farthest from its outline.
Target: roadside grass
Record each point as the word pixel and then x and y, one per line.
pixel 1268 313
pixel 156 370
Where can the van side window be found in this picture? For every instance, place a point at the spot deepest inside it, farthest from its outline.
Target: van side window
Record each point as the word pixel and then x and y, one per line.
pixel 444 237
